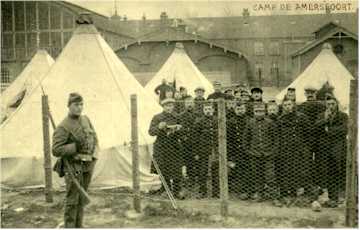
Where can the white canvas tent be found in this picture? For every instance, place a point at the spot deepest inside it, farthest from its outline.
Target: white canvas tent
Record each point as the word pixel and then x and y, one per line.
pixel 181 69
pixel 34 71
pixel 326 67
pixel 87 65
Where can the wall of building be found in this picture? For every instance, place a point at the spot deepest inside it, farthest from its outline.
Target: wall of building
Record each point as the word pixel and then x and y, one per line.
pixel 19 31
pixel 145 59
pixel 349 56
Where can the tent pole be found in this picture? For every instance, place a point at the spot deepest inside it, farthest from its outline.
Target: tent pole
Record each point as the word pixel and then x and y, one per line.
pixel 47 157
pixel 135 153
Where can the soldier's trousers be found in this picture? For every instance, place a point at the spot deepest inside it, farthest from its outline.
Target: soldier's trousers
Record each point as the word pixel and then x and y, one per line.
pixel 74 203
pixel 262 171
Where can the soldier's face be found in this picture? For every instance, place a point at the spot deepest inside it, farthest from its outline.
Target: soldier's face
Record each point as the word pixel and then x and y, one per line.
pixel 273 109
pixel 168 108
pixel 76 108
pixel 183 92
pixel 189 104
pixel 237 95
pixel 245 98
pixel 208 110
pixel 240 110
pixel 230 92
pixel 259 112
pixel 199 93
pixel 177 95
pixel 256 95
pixel 291 95
pixel 288 106
pixel 169 94
pixel 217 87
pixel 230 104
pixel 310 95
pixel 331 105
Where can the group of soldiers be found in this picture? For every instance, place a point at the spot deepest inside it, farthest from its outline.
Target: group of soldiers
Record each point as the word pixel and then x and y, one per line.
pixel 274 152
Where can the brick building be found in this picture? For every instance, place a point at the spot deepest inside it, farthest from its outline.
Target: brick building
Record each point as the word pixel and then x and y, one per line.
pixel 260 50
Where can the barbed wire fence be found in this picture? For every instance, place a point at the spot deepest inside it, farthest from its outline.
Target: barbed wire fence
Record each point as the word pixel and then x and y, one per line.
pixel 248 151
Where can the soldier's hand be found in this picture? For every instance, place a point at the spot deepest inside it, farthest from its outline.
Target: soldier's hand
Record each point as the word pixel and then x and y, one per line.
pixel 197 157
pixel 162 125
pixel 231 164
pixel 178 127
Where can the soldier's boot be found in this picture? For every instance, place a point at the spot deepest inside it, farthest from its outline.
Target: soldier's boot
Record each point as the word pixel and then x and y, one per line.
pixel 70 216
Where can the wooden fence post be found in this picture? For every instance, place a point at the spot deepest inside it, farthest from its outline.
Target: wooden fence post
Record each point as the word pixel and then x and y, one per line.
pixel 47 154
pixel 223 177
pixel 351 159
pixel 135 153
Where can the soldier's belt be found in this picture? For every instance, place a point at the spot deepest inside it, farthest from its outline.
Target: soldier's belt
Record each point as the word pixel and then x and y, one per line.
pixel 83 157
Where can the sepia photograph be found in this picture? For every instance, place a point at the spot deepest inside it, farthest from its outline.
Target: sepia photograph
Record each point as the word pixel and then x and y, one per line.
pixel 179 114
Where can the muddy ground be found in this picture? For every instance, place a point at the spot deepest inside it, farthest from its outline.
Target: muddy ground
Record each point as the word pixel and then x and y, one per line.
pixel 28 209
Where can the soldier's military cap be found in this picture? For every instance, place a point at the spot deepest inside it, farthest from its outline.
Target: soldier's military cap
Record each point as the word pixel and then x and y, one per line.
pixel 216 83
pixel 271 102
pixel 310 89
pixel 259 106
pixel 167 101
pixel 244 92
pixel 256 89
pixel 227 90
pixel 291 89
pixel 330 96
pixel 74 97
pixel 208 103
pixel 199 89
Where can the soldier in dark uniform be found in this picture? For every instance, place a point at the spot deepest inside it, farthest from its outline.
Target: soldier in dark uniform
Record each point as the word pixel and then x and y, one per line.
pixel 256 97
pixel 218 94
pixel 161 90
pixel 294 152
pixel 238 159
pixel 272 110
pixel 230 109
pixel 291 94
pixel 312 108
pixel 205 146
pixel 75 140
pixel 199 101
pixel 187 120
pixel 165 126
pixel 260 143
pixel 179 103
pixel 245 97
pixel 330 158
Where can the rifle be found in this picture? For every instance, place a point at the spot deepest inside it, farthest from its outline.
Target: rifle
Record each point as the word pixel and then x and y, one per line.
pixel 82 191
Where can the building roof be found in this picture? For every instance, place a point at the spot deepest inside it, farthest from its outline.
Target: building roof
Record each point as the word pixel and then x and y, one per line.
pixel 330 33
pixel 178 34
pixel 269 26
pixel 273 26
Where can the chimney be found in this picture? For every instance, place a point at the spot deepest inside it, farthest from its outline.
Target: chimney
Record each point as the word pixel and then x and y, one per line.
pixel 163 18
pixel 327 10
pixel 246 15
pixel 143 17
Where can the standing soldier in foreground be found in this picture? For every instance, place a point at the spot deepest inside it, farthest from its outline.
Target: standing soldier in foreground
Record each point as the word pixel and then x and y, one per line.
pixel 206 140
pixel 330 158
pixel 238 159
pixel 260 143
pixel 187 120
pixel 294 152
pixel 199 101
pixel 167 153
pixel 75 141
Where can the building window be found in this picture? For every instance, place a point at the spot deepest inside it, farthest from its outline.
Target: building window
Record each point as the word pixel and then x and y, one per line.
pixel 6 15
pixel 274 48
pixel 259 48
pixel 5 76
pixel 274 71
pixel 19 16
pixel 258 72
pixel 338 49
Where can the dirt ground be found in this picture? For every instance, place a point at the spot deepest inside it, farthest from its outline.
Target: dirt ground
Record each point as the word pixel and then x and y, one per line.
pixel 109 209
